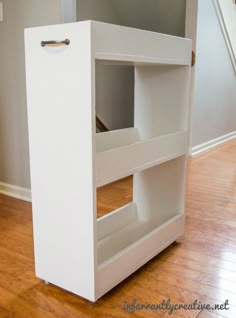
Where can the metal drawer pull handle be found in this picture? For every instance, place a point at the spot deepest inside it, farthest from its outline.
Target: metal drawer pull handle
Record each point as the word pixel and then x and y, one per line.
pixel 55 43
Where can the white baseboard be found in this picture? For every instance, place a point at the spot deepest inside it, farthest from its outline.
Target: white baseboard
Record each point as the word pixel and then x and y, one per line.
pixel 212 143
pixel 15 191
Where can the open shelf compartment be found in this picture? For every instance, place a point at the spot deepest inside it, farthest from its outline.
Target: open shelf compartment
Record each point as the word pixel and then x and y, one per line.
pixel 156 211
pixel 136 255
pixel 160 131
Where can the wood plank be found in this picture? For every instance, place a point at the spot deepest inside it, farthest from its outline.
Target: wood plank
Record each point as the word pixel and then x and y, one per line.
pixel 14 306
pixel 179 270
pixel 221 237
pixel 219 283
pixel 203 267
pixel 210 248
pixel 200 288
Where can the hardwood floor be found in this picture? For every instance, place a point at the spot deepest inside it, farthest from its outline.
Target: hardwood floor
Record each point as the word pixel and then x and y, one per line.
pixel 201 265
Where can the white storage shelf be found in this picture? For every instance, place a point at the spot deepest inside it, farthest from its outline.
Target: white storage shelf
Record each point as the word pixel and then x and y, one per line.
pixel 73 249
pixel 134 156
pixel 151 208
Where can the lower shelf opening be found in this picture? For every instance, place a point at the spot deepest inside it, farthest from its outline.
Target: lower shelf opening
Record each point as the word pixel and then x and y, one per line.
pixel 157 197
pixel 115 195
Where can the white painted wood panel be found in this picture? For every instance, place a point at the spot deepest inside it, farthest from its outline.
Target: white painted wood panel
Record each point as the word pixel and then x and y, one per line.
pixel 116 220
pixel 118 43
pixel 61 129
pixel 161 100
pixel 69 160
pixel 117 163
pixel 136 255
pixel 116 139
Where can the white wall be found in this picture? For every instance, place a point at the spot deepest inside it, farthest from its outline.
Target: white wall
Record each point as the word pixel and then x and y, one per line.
pixel 14 158
pixel 214 109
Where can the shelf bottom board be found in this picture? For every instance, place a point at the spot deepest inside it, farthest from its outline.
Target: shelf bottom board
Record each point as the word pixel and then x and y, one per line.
pixel 128 261
pixel 114 164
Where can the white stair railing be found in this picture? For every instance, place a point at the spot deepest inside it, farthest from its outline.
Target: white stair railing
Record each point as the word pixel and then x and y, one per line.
pixel 226 11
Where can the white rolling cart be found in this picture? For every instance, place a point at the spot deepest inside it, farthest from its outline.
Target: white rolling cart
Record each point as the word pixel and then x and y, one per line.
pixel 74 249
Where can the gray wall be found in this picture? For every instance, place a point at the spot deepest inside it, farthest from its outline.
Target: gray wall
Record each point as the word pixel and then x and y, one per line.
pixel 98 10
pixel 158 15
pixel 166 16
pixel 115 85
pixel 214 109
pixel 18 14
